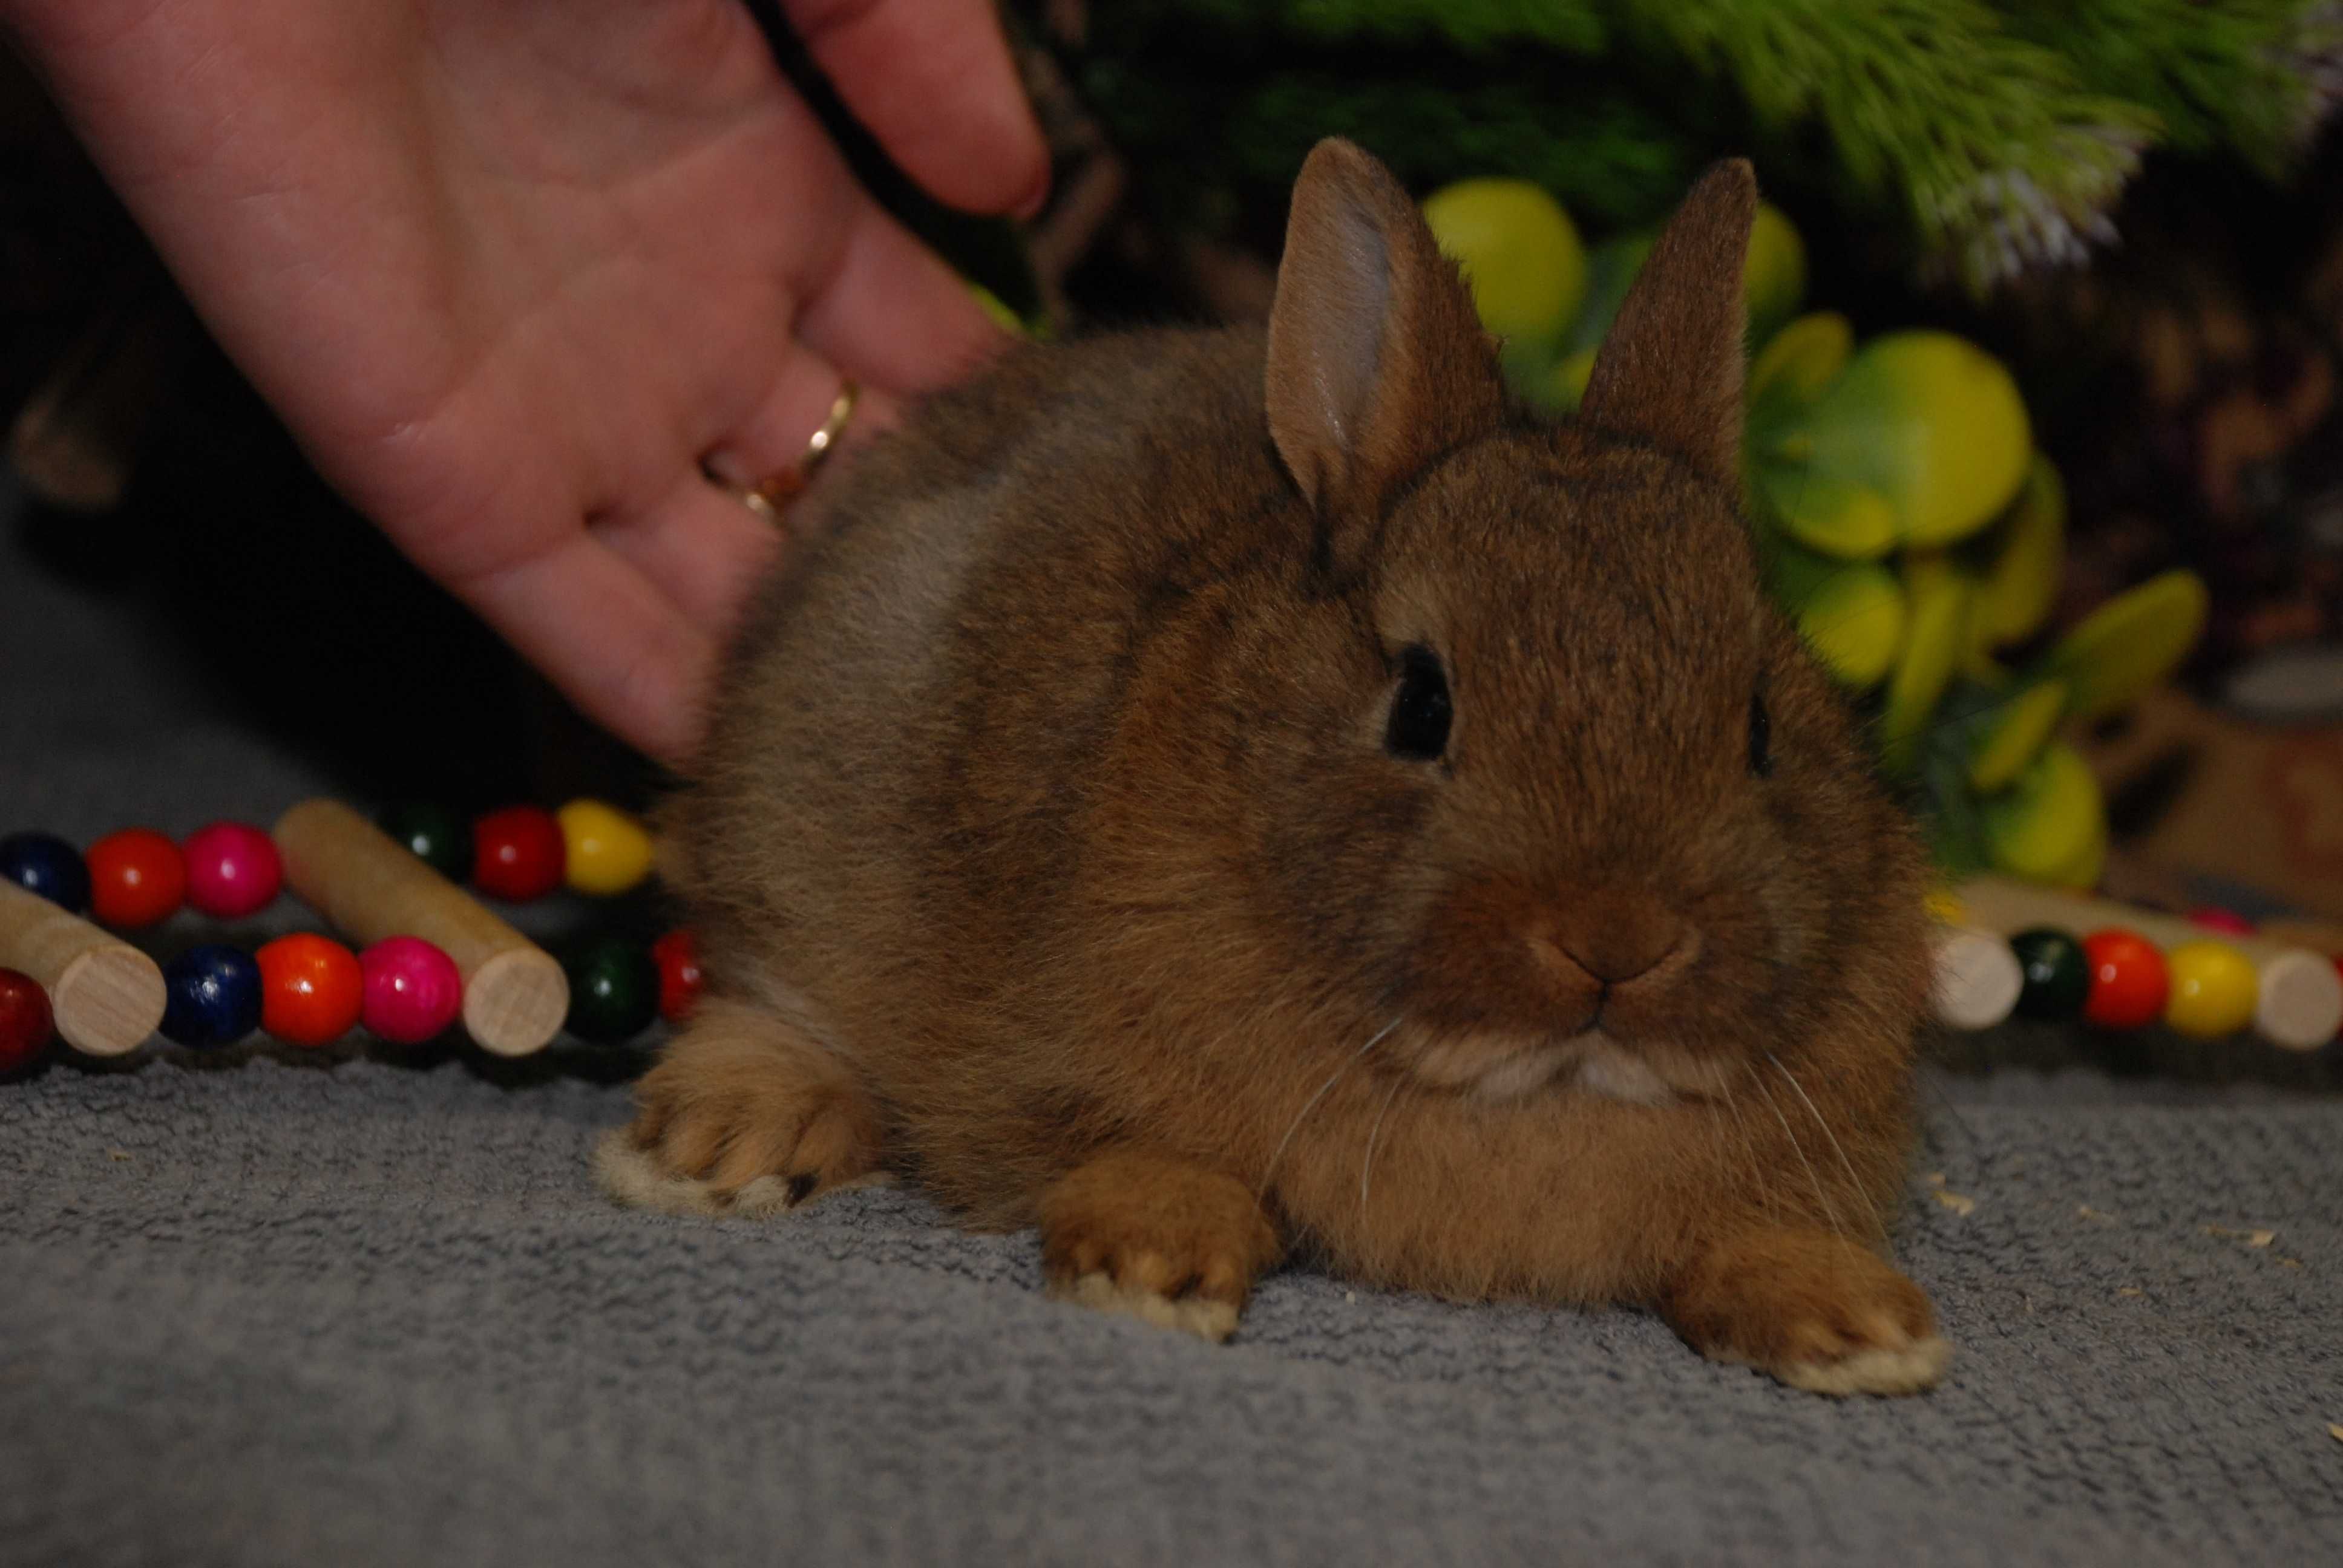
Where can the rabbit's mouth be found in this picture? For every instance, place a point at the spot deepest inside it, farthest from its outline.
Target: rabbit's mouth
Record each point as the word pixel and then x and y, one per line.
pixel 1589 1059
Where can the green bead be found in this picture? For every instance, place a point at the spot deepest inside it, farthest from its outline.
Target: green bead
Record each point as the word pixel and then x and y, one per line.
pixel 438 837
pixel 2057 975
pixel 614 989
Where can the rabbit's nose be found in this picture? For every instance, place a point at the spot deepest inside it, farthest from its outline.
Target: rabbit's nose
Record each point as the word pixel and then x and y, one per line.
pixel 1619 936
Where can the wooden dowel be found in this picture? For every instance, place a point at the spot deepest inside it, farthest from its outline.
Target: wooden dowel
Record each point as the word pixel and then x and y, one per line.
pixel 106 996
pixel 2300 1004
pixel 369 887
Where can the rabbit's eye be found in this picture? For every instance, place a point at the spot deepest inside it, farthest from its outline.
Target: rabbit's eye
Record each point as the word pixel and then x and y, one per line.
pixel 1421 712
pixel 1761 737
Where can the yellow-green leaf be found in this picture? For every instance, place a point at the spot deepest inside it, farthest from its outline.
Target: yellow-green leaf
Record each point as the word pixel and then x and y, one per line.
pixel 2014 733
pixel 1519 251
pixel 1797 364
pixel 2050 825
pixel 1937 598
pixel 2129 644
pixel 1929 421
pixel 1851 522
pixel 1850 613
pixel 2025 553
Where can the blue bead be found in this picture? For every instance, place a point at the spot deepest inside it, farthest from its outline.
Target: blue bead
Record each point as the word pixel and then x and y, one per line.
pixel 213 996
pixel 46 864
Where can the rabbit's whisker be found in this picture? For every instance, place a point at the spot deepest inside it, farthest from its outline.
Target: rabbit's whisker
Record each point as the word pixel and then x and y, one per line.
pixel 1748 1143
pixel 1854 1181
pixel 1367 1165
pixel 1798 1149
pixel 1312 1104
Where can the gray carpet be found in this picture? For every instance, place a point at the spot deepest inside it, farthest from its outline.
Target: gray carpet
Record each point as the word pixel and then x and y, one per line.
pixel 353 1309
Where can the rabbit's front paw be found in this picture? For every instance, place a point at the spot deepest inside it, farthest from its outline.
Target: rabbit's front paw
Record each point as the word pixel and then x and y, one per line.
pixel 1158 1239
pixel 741 1115
pixel 1813 1309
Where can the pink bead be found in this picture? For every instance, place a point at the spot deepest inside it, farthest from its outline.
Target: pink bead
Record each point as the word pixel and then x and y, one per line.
pixel 232 869
pixel 413 990
pixel 2227 921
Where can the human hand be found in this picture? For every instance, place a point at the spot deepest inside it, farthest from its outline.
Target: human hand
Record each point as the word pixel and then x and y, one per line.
pixel 511 272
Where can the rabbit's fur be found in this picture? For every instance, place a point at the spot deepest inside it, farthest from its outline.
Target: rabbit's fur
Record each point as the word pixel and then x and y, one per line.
pixel 1050 849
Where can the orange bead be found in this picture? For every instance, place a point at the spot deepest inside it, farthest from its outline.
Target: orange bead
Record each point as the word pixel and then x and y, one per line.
pixel 310 988
pixel 136 877
pixel 2129 980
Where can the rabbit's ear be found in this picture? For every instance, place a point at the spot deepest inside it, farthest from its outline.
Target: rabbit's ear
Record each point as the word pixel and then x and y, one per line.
pixel 1669 371
pixel 1377 363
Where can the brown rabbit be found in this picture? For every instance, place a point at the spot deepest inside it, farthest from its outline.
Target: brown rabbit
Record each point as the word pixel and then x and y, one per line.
pixel 1209 796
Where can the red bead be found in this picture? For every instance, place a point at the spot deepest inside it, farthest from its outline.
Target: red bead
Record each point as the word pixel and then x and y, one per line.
pixel 312 988
pixel 2129 981
pixel 517 853
pixel 24 1019
pixel 412 990
pixel 680 982
pixel 232 869
pixel 2213 918
pixel 136 877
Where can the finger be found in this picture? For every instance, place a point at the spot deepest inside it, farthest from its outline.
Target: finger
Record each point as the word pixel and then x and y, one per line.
pixel 777 438
pixel 613 642
pixel 891 314
pixel 702 549
pixel 933 81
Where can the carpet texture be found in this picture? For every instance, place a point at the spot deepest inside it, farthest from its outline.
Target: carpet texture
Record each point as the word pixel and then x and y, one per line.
pixel 352 1310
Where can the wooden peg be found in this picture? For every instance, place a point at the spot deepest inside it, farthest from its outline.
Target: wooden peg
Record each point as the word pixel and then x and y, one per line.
pixel 368 887
pixel 1976 977
pixel 106 995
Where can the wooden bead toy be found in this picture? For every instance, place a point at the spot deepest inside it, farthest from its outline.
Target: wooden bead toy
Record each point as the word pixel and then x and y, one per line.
pixel 2214 990
pixel 517 854
pixel 438 837
pixel 233 871
pixel 25 1023
pixel 46 864
pixel 214 996
pixel 677 954
pixel 2229 922
pixel 106 995
pixel 410 991
pixel 613 991
pixel 515 995
pixel 2129 980
pixel 311 988
pixel 136 877
pixel 2299 995
pixel 605 851
pixel 434 954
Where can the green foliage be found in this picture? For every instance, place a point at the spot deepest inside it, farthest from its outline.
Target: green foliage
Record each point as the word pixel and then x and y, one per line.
pixel 1996 135
pixel 1575 26
pixel 1999 155
pixel 1210 139
pixel 1608 159
pixel 2240 73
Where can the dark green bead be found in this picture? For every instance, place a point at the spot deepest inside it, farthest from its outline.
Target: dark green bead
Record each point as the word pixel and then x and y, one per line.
pixel 2057 975
pixel 438 837
pixel 614 989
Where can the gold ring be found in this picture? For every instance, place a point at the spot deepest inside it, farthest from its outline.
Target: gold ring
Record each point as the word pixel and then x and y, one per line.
pixel 776 490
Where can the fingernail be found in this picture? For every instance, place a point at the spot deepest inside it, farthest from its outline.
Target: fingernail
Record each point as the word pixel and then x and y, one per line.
pixel 1035 199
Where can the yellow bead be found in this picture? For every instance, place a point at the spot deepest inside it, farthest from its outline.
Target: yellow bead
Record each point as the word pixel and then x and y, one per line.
pixel 2214 990
pixel 1947 908
pixel 608 851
